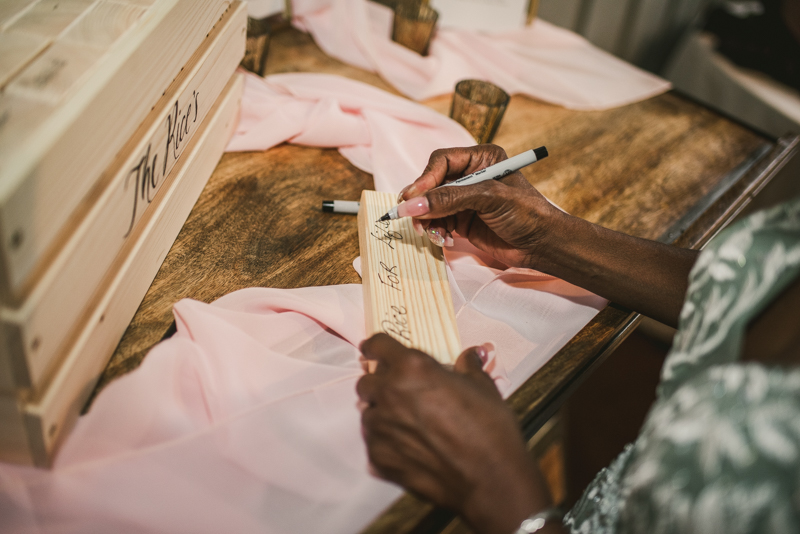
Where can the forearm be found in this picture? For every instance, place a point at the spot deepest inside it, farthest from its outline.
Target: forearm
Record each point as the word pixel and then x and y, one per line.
pixel 645 276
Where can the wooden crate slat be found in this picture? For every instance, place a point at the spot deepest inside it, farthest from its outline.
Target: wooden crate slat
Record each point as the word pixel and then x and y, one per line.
pixel 406 289
pixel 11 10
pixel 16 51
pixel 57 73
pixel 49 18
pixel 104 24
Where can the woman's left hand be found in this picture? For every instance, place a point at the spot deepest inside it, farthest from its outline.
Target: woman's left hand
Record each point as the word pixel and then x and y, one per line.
pixel 448 436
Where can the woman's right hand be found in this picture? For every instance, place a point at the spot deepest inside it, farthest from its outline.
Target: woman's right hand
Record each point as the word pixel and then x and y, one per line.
pixel 506 218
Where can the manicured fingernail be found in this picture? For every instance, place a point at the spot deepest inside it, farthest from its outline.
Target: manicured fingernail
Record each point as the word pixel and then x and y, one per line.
pixel 418 227
pixel 483 354
pixel 436 237
pixel 400 194
pixel 414 207
pixel 487 349
pixel 448 240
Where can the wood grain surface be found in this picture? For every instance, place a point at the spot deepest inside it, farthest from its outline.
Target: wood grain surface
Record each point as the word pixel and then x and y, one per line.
pixel 641 169
pixel 404 278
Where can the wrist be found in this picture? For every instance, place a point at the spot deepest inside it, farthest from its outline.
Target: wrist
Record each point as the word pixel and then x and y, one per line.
pixel 501 507
pixel 550 223
pixel 547 521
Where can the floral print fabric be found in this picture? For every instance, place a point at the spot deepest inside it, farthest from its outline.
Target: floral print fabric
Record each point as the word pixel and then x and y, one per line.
pixel 720 449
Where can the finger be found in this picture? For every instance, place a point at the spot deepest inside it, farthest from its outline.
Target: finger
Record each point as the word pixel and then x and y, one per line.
pixel 367 388
pixel 484 198
pixel 471 360
pixel 471 363
pixel 437 231
pixel 453 163
pixel 418 227
pixel 382 348
pixel 491 197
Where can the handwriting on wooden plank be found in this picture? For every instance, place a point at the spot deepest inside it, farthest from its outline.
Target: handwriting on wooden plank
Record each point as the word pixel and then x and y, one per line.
pixel 406 290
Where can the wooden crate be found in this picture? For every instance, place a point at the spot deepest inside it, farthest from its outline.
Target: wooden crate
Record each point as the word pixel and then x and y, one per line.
pixel 32 334
pixel 31 428
pixel 87 77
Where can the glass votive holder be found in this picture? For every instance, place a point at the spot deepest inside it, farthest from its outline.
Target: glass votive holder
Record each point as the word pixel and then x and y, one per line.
pixel 414 24
pixel 256 45
pixel 479 107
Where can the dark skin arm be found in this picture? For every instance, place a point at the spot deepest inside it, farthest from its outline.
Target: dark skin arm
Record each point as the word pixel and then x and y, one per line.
pixel 513 222
pixel 448 436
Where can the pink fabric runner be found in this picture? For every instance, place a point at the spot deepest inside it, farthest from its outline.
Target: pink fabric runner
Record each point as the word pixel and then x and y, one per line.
pixel 246 420
pixel 378 132
pixel 542 61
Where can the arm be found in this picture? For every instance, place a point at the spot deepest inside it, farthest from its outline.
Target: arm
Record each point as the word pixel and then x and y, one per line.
pixel 513 222
pixel 449 437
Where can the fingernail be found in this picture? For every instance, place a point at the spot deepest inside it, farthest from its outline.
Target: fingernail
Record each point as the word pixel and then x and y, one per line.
pixel 436 237
pixel 487 348
pixel 448 240
pixel 418 227
pixel 414 207
pixel 403 192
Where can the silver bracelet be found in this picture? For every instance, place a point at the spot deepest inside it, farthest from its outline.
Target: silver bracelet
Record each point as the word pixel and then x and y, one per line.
pixel 537 521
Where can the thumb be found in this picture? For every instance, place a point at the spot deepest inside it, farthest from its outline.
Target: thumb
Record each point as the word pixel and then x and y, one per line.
pixel 470 363
pixel 471 360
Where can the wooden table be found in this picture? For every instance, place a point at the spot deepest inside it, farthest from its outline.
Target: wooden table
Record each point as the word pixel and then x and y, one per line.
pixel 666 169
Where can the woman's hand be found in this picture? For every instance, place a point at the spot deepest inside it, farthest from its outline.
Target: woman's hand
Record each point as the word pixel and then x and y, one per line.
pixel 506 218
pixel 448 436
pixel 515 224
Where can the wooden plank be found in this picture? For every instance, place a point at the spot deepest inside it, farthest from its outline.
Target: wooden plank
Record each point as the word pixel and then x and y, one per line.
pixel 103 24
pixel 54 161
pixel 11 10
pixel 49 416
pixel 35 330
pixel 49 18
pixel 57 73
pixel 16 51
pixel 406 290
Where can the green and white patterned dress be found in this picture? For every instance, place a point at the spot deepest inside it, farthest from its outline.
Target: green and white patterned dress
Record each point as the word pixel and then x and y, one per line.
pixel 720 449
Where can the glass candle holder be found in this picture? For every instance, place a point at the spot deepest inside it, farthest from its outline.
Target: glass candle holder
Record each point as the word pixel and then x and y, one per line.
pixel 414 24
pixel 479 107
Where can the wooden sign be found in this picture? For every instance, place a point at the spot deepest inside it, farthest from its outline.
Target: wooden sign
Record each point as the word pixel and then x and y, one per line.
pixel 32 427
pixel 33 333
pixel 71 101
pixel 406 290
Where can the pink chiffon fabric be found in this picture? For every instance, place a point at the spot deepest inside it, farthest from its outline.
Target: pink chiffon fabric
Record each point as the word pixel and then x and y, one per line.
pixel 541 60
pixel 380 133
pixel 245 420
